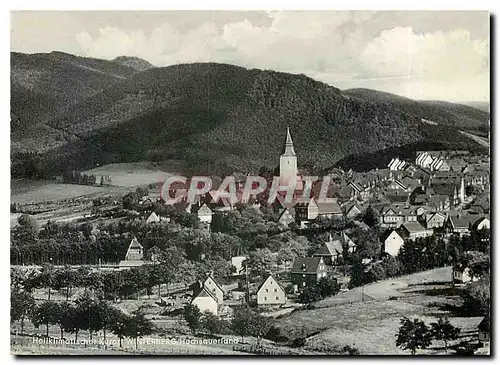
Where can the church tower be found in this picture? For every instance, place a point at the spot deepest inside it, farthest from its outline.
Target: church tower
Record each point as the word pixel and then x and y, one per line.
pixel 288 161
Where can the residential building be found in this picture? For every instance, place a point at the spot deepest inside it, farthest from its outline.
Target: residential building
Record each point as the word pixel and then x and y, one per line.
pixel 462 224
pixel 153 218
pixel 391 242
pixel 134 256
pixel 237 261
pixel 286 216
pixel 204 214
pixel 271 292
pixel 307 270
pixel 463 274
pixel 205 301
pixel 214 288
pixel 307 211
pixel 414 230
pixel 435 220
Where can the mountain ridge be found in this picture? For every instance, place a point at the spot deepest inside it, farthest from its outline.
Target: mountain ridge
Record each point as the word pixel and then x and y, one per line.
pixel 220 117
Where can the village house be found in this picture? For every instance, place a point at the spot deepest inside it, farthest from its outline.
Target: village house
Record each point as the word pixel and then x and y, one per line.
pixel 461 224
pixel 205 301
pixel 204 214
pixel 414 230
pixel 392 242
pixel 307 271
pixel 153 218
pixel 396 164
pixel 271 292
pixel 307 211
pixel 330 251
pixel 481 223
pixel 435 220
pixel 214 288
pixel 463 274
pixel 352 210
pixel 237 262
pixel 287 216
pixel 329 210
pixel 134 256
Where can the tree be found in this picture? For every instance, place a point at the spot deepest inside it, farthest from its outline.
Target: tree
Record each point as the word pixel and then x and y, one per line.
pixel 46 277
pixel 357 272
pixel 370 216
pixel 21 305
pixel 138 326
pixel 310 294
pixel 259 326
pixel 376 273
pixel 29 222
pixel 259 262
pixel 120 326
pixel 211 323
pixel 369 245
pixel 45 314
pixel 241 321
pixel 442 330
pixel 192 315
pixel 413 335
pixel 72 321
pixel 391 265
pixel 328 286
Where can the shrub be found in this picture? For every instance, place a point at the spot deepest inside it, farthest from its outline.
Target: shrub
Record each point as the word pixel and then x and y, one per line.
pixel 299 342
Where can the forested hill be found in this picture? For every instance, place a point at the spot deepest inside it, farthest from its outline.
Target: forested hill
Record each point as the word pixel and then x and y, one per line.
pixel 219 118
pixel 461 116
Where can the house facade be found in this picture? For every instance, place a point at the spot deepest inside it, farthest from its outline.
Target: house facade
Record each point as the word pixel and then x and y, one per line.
pixel 392 242
pixel 205 214
pixel 214 288
pixel 307 271
pixel 205 301
pixel 271 292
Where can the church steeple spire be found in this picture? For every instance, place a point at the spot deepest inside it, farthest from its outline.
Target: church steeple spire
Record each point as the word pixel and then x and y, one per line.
pixel 289 151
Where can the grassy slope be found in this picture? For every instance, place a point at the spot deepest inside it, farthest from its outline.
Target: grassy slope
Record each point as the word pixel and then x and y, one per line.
pixel 371 325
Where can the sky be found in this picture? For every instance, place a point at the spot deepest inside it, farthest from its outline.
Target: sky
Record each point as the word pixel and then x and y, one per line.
pixel 423 55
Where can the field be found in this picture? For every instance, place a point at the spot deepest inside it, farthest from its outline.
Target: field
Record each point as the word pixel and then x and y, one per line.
pixel 131 174
pixel 371 325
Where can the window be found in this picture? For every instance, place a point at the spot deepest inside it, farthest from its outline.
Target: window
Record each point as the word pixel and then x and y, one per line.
pixel 277 298
pixel 275 290
pixel 265 298
pixel 267 290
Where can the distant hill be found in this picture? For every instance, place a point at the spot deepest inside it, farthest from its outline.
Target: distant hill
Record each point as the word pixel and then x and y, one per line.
pixel 216 118
pixel 481 105
pixel 461 116
pixel 135 62
pixel 45 84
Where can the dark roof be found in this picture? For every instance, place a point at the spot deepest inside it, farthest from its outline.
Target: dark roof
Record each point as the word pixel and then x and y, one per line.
pixel 387 233
pixel 413 227
pixel 329 208
pixel 202 292
pixel 306 265
pixel 215 281
pixel 485 324
pixel 464 221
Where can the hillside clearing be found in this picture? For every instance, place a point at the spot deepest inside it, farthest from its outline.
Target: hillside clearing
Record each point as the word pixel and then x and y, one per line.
pixel 371 325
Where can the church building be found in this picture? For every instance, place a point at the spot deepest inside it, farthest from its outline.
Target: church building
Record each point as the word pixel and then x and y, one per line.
pixel 288 161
